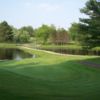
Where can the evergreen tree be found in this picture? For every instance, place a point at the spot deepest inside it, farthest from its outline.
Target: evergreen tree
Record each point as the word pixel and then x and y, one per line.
pixel 90 27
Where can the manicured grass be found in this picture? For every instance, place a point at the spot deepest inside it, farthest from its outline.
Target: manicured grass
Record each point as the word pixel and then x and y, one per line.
pixel 7 45
pixel 49 77
pixel 96 48
pixel 68 46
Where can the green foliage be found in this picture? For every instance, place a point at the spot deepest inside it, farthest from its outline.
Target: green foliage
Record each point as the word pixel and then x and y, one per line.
pixel 52 34
pixel 90 27
pixel 49 34
pixel 6 34
pixel 43 33
pixel 29 29
pixel 22 36
pixel 73 30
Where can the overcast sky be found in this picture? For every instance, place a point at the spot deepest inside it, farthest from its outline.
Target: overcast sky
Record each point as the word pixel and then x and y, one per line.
pixel 61 13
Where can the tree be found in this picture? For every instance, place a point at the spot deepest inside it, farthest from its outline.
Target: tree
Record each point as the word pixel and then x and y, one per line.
pixel 15 31
pixel 22 36
pixel 90 27
pixel 6 33
pixel 52 33
pixel 29 29
pixel 73 30
pixel 61 37
pixel 43 33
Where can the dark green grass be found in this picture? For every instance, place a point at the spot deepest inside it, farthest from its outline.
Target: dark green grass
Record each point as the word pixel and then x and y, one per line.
pixel 49 77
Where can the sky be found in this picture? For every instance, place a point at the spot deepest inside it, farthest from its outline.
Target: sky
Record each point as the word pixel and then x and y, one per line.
pixel 61 13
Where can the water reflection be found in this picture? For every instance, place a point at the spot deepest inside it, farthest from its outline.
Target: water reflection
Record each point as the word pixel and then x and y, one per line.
pixel 14 54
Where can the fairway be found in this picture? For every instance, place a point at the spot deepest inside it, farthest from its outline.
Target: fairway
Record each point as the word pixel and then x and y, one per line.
pixel 50 77
pixel 49 50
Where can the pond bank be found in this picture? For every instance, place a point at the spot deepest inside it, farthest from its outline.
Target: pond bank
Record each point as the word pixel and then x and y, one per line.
pixel 73 51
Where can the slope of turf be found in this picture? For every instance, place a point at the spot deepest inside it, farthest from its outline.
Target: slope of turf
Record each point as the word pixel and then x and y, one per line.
pixel 49 77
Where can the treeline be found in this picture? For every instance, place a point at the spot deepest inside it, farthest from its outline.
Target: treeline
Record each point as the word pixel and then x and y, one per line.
pixel 86 32
pixel 26 34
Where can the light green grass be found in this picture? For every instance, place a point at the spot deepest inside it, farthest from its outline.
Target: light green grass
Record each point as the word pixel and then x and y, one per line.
pixel 68 46
pixel 49 77
pixel 8 45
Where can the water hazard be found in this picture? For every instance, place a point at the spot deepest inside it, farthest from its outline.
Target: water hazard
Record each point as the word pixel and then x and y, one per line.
pixel 14 54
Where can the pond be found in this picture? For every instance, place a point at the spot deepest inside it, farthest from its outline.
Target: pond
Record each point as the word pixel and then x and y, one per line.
pixel 14 54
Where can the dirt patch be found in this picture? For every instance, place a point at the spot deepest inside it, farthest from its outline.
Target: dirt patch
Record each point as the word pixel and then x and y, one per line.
pixel 90 64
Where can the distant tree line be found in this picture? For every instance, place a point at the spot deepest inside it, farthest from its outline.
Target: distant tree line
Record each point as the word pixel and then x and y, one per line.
pixel 44 34
pixel 86 32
